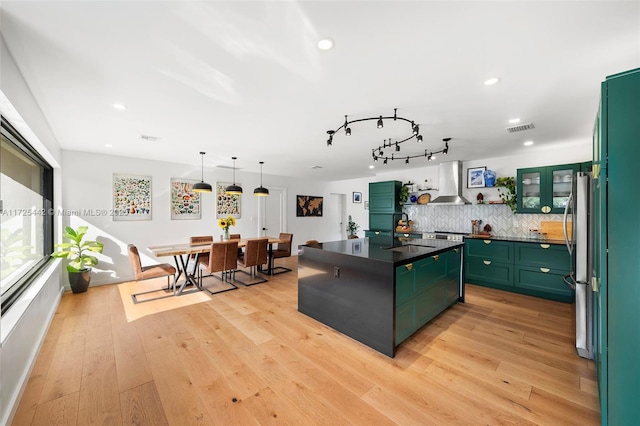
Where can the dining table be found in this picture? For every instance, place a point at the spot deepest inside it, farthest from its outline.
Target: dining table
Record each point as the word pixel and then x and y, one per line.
pixel 182 252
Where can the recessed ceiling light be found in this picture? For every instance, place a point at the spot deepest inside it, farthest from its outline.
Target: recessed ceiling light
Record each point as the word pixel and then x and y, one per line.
pixel 325 44
pixel 491 81
pixel 528 143
pixel 371 166
pixel 108 145
pixel 514 121
pixel 433 157
pixel 119 106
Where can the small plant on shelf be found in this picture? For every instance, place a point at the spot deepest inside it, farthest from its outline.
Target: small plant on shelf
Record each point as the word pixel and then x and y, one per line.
pixel 507 191
pixel 352 228
pixel 404 193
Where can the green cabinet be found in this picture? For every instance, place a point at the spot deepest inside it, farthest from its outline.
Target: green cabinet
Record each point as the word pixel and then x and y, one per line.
pixel 383 204
pixel 424 288
pixel 616 292
pixel 540 268
pixel 545 189
pixel 536 269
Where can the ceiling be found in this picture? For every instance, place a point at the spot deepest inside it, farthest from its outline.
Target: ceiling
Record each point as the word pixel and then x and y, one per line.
pixel 246 79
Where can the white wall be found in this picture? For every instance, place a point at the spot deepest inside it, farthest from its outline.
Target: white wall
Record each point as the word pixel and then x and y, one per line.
pixel 24 326
pixel 87 185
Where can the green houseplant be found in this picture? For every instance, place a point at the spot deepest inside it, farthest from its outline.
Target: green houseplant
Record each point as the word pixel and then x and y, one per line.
pixel 352 228
pixel 507 190
pixel 78 253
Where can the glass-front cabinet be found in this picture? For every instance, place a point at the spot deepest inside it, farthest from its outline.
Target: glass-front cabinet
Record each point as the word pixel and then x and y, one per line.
pixel 545 189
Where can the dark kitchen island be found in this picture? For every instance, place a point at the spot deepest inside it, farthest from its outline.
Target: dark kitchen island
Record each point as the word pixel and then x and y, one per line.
pixel 379 290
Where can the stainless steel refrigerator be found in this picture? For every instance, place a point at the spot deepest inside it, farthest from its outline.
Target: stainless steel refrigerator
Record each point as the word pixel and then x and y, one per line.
pixel 579 245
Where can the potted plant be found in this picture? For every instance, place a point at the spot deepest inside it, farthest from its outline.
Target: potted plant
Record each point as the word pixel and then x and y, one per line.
pixel 81 261
pixel 352 228
pixel 508 194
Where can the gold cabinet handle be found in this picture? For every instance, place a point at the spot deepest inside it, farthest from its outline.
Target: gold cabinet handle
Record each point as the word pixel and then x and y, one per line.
pixel 377 232
pixel 487 241
pixel 409 266
pixel 545 246
pixel 406 235
pixel 436 257
pixel 486 262
pixel 456 250
pixel 545 209
pixel 545 270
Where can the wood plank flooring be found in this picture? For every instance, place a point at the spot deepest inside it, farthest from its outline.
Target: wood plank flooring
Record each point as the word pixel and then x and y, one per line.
pixel 249 357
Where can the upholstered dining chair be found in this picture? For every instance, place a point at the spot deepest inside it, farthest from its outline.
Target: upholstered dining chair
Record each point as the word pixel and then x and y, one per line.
pixel 282 250
pixel 313 243
pixel 202 257
pixel 255 254
pixel 223 258
pixel 236 237
pixel 151 271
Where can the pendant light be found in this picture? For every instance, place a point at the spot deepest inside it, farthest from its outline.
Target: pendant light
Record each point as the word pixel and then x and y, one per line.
pixel 202 186
pixel 261 191
pixel 234 189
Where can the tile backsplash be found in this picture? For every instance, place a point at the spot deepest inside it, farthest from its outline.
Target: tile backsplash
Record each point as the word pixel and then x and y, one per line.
pixel 457 218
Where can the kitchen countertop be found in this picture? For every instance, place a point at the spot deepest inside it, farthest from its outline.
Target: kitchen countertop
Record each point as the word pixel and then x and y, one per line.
pixel 387 249
pixel 515 239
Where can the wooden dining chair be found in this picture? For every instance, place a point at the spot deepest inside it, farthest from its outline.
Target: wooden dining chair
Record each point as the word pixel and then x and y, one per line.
pixel 282 250
pixel 223 258
pixel 255 254
pixel 158 270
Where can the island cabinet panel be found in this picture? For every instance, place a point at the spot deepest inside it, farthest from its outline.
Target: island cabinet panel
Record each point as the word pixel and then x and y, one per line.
pixel 532 268
pixel 422 291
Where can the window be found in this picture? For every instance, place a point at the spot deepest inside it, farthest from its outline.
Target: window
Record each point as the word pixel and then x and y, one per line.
pixel 26 213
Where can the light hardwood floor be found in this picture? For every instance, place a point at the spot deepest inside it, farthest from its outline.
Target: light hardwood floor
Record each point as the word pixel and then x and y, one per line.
pixel 249 357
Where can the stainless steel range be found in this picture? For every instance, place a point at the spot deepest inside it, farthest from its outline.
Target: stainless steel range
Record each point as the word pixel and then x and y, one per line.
pixel 444 235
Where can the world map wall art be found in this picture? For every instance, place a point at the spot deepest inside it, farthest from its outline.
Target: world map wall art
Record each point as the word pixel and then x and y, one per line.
pixel 308 206
pixel 185 203
pixel 131 197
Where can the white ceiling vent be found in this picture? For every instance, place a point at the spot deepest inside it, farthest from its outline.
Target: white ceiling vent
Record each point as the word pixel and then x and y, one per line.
pixel 149 138
pixel 520 128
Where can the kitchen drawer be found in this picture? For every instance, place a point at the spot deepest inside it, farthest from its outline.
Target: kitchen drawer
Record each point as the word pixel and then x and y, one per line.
pixel 485 271
pixel 430 270
pixel 543 282
pixel 500 251
pixel 553 256
pixel 379 233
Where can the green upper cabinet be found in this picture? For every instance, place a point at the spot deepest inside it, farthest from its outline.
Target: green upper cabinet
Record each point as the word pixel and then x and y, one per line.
pixel 384 197
pixel 545 189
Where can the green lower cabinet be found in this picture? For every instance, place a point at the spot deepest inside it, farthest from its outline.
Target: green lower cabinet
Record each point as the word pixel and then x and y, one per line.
pixel 536 269
pixel 378 234
pixel 425 288
pixel 543 282
pixel 489 273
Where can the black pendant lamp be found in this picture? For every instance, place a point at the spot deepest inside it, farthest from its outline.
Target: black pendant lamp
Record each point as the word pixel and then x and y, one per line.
pixel 261 191
pixel 234 189
pixel 202 186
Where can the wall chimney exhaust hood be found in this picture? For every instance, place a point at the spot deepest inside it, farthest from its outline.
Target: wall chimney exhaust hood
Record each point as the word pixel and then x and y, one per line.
pixel 450 184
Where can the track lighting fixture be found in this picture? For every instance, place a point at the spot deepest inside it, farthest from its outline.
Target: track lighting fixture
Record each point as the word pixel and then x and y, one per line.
pixel 234 189
pixel 202 186
pixel 378 152
pixel 261 191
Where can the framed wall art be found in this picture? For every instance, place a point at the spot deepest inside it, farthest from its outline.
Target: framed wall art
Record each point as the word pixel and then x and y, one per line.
pixel 131 197
pixel 185 203
pixel 475 177
pixel 357 197
pixel 226 204
pixel 308 206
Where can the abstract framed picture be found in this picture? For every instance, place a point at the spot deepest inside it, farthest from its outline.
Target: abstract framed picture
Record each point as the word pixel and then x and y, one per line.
pixel 185 203
pixel 475 177
pixel 131 197
pixel 226 204
pixel 357 197
pixel 308 206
